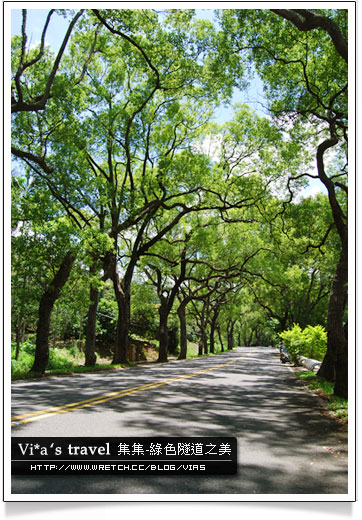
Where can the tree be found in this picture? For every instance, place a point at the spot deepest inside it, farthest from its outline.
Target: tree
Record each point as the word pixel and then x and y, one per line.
pixel 124 99
pixel 118 159
pixel 36 98
pixel 303 63
pixel 167 284
pixel 306 20
pixel 49 237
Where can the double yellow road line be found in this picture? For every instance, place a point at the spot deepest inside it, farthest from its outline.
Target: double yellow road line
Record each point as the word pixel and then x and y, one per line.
pixel 55 410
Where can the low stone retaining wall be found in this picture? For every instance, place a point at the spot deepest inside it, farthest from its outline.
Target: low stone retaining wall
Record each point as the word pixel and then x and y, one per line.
pixel 311 364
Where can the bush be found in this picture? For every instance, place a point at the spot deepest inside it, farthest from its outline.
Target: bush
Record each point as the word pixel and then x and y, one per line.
pixel 310 342
pixel 74 351
pixel 316 341
pixel 144 323
pixel 106 328
pixel 26 347
pixel 293 340
pixel 22 365
pixel 25 360
pixel 58 358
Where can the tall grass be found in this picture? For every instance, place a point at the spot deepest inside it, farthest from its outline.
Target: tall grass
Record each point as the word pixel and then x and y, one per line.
pixel 59 359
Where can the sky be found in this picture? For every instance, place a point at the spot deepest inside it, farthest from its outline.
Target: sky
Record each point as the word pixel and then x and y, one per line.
pixel 252 96
pixel 35 23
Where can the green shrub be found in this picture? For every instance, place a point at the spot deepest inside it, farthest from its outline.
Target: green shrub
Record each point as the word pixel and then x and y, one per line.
pixel 144 322
pixel 58 358
pixel 106 327
pixel 310 342
pixel 315 339
pixel 73 351
pixel 26 347
pixel 22 365
pixel 293 340
pixel 25 360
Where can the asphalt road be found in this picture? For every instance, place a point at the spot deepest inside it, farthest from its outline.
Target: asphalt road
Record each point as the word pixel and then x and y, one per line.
pixel 286 445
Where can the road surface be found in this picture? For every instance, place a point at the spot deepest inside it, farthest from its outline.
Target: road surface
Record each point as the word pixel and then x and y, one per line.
pixel 285 443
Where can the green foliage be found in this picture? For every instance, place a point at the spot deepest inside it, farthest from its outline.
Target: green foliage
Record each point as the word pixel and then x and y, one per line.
pixel 25 360
pixel 59 359
pixel 316 341
pixel 106 324
pixel 144 315
pixel 70 310
pixel 310 342
pixel 144 322
pixel 27 347
pixel 298 68
pixel 116 160
pixel 294 341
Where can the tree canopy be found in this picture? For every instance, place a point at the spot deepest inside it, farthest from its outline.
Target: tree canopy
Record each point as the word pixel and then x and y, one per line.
pixel 124 183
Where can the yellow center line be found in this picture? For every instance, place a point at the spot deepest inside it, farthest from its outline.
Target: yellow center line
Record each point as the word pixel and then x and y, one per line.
pixel 54 410
pixel 90 400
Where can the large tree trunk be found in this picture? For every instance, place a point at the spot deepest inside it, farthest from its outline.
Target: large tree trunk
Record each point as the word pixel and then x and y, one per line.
pixel 163 334
pixel 19 336
pixel 341 384
pixel 124 304
pixel 204 340
pixel 335 363
pixel 212 337
pixel 166 307
pixel 200 347
pixel 45 310
pixel 90 338
pixel 122 290
pixel 181 311
pixel 212 332
pixel 220 338
pixel 90 355
pixel 20 323
pixel 230 335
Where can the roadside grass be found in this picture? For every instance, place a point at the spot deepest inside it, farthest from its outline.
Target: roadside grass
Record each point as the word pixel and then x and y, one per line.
pixel 336 406
pixel 63 361
pixel 75 369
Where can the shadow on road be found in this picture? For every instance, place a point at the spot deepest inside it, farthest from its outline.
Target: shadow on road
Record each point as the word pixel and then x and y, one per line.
pixel 285 444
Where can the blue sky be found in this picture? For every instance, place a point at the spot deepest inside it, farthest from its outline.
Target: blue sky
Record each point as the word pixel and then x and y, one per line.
pixel 35 23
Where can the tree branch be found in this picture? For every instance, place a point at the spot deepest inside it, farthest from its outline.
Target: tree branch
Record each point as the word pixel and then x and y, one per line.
pixel 306 20
pixel 40 102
